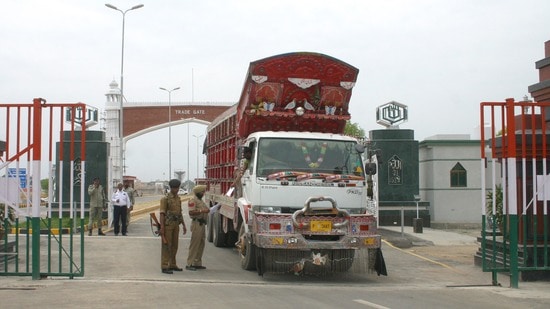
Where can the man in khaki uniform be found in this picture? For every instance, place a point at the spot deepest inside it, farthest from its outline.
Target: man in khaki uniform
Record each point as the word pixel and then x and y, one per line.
pixel 170 220
pixel 97 204
pixel 198 211
pixel 130 191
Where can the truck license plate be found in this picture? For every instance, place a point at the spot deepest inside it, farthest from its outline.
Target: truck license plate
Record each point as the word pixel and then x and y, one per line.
pixel 321 226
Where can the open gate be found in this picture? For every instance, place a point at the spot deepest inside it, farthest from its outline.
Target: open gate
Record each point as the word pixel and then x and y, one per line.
pixel 515 197
pixel 40 237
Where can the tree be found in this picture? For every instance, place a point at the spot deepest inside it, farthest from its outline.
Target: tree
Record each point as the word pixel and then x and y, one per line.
pixel 44 184
pixel 353 129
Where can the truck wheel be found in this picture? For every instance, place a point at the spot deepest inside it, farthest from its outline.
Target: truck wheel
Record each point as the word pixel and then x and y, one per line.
pixel 342 260
pixel 210 232
pixel 247 251
pixel 218 236
pixel 232 237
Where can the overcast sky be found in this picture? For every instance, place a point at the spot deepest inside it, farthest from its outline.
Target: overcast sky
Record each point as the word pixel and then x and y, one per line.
pixel 440 58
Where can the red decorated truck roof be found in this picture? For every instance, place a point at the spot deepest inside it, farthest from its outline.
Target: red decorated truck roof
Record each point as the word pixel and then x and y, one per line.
pixel 280 88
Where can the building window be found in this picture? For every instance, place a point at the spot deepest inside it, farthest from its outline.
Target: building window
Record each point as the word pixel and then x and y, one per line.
pixel 458 176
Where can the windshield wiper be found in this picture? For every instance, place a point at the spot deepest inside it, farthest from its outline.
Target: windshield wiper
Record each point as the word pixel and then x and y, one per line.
pixel 307 176
pixel 334 178
pixel 284 175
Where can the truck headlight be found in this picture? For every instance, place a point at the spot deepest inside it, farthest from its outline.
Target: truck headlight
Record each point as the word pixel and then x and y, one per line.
pixel 269 209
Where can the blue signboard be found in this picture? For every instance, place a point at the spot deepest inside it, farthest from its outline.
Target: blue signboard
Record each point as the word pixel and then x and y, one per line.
pixel 12 172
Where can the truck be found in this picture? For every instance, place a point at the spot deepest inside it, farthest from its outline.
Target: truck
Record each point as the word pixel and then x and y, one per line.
pixel 303 204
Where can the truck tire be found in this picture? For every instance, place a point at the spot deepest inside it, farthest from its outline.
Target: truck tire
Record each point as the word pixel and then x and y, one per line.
pixel 232 237
pixel 248 253
pixel 342 260
pixel 218 236
pixel 209 231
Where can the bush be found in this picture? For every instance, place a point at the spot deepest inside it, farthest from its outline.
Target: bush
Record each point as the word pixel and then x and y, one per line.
pixel 499 212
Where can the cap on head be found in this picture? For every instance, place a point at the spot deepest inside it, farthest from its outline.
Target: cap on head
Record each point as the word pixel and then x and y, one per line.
pixel 199 189
pixel 174 183
pixel 95 178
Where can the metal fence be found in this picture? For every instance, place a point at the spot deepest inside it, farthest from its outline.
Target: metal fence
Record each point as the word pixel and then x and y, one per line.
pixel 39 237
pixel 515 141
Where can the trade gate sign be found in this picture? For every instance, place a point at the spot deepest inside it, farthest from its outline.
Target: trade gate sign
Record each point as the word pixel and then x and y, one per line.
pixel 12 173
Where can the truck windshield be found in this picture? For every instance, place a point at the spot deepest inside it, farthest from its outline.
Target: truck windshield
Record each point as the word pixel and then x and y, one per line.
pixel 308 156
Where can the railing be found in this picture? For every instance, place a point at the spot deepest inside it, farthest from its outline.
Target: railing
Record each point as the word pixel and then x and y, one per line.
pixel 32 132
pixel 514 206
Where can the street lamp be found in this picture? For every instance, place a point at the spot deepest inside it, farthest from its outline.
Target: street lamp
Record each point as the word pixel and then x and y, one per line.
pixel 169 129
pixel 197 137
pixel 121 118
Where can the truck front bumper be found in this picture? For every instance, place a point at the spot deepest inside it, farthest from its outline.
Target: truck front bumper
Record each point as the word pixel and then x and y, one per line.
pixel 299 242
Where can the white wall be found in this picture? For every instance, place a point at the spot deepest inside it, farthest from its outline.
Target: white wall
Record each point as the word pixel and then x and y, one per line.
pixel 451 205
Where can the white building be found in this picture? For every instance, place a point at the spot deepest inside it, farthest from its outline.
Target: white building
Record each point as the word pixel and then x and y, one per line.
pixel 450 179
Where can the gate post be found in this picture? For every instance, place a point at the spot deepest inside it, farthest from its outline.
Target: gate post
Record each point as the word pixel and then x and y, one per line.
pixel 36 156
pixel 512 191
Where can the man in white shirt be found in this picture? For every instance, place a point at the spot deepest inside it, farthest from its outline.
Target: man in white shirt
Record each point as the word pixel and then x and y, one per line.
pixel 121 202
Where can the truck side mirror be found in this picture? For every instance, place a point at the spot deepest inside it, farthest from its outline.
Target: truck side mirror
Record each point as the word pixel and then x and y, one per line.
pixel 359 148
pixel 370 168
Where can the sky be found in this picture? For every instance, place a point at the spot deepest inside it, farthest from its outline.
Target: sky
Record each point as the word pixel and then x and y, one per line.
pixel 440 58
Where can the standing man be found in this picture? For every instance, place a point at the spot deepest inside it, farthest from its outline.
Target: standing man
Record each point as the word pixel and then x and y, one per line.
pixel 130 191
pixel 121 203
pixel 244 164
pixel 97 204
pixel 198 211
pixel 170 219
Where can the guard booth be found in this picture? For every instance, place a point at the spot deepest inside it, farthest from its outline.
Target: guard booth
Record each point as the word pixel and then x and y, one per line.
pixel 515 201
pixel 34 243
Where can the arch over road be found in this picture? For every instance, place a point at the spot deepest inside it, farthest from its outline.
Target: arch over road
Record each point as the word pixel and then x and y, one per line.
pixel 142 118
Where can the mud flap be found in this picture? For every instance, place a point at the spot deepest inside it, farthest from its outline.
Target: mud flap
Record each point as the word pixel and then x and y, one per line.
pixel 380 264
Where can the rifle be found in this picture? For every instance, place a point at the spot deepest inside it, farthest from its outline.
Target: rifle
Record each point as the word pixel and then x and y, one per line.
pixel 156 224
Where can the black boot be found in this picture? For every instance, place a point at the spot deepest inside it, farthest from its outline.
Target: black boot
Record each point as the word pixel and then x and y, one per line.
pixel 90 232
pixel 100 233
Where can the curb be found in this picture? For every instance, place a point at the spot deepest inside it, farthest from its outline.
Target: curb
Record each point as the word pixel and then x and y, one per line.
pixel 42 231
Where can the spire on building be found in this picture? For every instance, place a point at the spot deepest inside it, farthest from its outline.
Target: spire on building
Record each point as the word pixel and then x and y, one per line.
pixel 113 95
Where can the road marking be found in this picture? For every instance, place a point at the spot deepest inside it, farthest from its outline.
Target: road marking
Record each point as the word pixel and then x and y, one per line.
pixel 368 303
pixel 425 258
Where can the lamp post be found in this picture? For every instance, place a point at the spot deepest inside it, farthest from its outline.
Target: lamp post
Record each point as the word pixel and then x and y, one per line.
pixel 121 118
pixel 197 137
pixel 169 129
pixel 188 159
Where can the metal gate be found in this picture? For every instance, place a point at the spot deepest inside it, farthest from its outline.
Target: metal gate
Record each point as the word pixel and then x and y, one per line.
pixel 41 237
pixel 515 229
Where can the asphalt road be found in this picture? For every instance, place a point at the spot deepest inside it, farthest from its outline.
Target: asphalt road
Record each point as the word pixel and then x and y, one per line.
pixel 124 272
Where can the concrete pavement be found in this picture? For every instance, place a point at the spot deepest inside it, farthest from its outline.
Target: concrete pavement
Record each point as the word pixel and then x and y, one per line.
pixel 405 237
pixel 140 257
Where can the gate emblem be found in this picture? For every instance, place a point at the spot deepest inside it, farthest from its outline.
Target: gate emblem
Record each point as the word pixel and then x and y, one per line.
pixel 91 116
pixel 391 114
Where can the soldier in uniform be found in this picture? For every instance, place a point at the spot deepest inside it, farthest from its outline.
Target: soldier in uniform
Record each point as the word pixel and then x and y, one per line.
pixel 131 192
pixel 198 211
pixel 170 220
pixel 97 204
